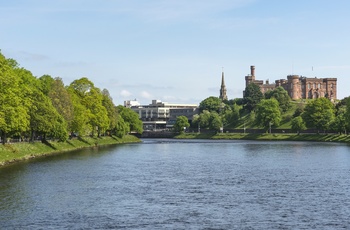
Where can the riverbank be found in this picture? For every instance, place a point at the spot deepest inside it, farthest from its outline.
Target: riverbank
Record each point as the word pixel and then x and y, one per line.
pixel 275 137
pixel 14 152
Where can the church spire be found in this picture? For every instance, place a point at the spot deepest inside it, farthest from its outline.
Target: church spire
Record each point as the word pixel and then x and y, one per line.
pixel 223 95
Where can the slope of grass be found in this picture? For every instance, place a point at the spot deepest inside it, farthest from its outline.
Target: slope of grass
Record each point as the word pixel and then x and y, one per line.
pixel 275 137
pixel 20 151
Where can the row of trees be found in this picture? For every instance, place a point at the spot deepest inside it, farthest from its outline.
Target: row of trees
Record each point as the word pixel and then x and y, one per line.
pixel 267 110
pixel 45 107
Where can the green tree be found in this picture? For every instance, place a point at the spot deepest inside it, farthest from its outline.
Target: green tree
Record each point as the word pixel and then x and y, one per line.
pixel 131 118
pixel 252 97
pixel 211 104
pixel 319 114
pixel 121 127
pixel 268 113
pixel 215 121
pixel 62 101
pixel 13 109
pixel 88 106
pixel 45 120
pixel 112 112
pixel 204 119
pixel 181 123
pixel 230 117
pixel 281 95
pixel 298 124
pixel 46 83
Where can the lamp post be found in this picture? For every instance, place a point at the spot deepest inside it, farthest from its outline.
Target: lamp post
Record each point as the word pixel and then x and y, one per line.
pixel 270 123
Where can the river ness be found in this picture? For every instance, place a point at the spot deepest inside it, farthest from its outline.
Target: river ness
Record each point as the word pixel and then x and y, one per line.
pixel 181 184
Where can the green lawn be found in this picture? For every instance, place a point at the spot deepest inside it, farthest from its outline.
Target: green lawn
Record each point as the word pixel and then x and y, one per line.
pixel 21 151
pixel 275 137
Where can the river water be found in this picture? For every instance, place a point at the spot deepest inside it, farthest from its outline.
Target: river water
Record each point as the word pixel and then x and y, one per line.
pixel 181 184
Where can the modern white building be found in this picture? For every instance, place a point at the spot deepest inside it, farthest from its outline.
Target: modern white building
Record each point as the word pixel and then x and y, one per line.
pixel 162 115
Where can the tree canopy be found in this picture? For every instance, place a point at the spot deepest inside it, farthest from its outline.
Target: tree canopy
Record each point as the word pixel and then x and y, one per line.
pixel 44 107
pixel 319 114
pixel 252 96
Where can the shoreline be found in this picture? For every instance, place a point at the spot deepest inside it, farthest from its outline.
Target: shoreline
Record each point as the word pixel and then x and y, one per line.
pixel 341 138
pixel 18 152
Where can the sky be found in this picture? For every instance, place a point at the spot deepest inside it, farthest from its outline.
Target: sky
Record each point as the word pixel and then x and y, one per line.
pixel 176 50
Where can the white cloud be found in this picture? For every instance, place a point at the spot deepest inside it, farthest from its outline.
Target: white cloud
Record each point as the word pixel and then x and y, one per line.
pixel 146 95
pixel 125 93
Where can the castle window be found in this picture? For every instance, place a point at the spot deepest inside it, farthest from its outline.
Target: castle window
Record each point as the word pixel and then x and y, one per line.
pixel 309 86
pixel 319 85
pixel 314 85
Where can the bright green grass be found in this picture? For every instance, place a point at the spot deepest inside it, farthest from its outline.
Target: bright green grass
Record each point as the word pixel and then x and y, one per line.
pixel 21 151
pixel 275 137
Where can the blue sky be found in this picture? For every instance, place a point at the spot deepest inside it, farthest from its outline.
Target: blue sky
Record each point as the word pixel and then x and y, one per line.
pixel 175 50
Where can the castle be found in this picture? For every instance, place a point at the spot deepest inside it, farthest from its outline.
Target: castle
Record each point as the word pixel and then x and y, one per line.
pixel 298 87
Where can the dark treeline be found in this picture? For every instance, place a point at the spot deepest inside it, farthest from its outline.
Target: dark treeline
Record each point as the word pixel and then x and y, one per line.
pixel 44 107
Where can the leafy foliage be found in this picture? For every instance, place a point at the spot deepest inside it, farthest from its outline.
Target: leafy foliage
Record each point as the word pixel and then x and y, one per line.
pixel 211 104
pixel 181 123
pixel 298 124
pixel 44 107
pixel 319 114
pixel 268 113
pixel 281 95
pixel 252 97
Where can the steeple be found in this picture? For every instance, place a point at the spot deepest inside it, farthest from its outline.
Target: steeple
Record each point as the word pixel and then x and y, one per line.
pixel 223 95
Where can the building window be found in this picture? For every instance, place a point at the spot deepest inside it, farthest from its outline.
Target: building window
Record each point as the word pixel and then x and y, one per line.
pixel 319 85
pixel 314 85
pixel 309 86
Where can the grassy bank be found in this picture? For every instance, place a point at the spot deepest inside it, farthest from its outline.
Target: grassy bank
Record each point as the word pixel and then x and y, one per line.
pixel 275 137
pixel 20 151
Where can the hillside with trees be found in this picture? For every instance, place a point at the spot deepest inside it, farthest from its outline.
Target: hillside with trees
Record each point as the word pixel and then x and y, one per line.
pixel 44 108
pixel 273 110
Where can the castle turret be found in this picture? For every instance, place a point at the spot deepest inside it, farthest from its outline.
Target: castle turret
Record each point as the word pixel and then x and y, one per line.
pixel 251 77
pixel 294 87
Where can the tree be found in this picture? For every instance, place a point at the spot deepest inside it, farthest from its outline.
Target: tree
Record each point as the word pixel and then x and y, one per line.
pixel 211 104
pixel 230 117
pixel 44 118
pixel 88 105
pixel 268 113
pixel 252 97
pixel 215 121
pixel 298 124
pixel 13 107
pixel 181 123
pixel 281 95
pixel 62 101
pixel 319 114
pixel 112 112
pixel 204 119
pixel 131 118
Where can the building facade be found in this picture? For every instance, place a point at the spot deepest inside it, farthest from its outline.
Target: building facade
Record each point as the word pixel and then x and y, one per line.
pixel 298 87
pixel 162 115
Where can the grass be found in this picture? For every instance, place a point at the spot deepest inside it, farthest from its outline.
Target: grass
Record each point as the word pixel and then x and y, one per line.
pixel 21 151
pixel 275 137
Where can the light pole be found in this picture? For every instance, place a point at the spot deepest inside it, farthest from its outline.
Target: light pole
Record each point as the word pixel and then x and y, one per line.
pixel 270 123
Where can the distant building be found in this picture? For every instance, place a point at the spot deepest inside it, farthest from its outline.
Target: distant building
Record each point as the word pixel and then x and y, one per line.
pixel 161 115
pixel 298 87
pixel 131 103
pixel 223 95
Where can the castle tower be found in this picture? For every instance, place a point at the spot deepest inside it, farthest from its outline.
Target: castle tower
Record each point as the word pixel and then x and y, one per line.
pixel 293 88
pixel 223 95
pixel 251 77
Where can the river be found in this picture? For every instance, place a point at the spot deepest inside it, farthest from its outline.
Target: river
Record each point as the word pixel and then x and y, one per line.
pixel 181 184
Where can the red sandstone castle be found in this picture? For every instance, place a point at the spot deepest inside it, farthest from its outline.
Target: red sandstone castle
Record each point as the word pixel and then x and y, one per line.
pixel 298 87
